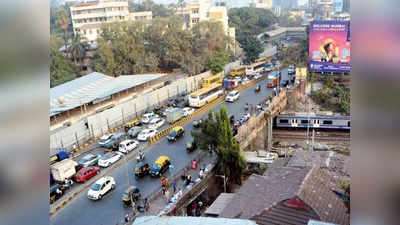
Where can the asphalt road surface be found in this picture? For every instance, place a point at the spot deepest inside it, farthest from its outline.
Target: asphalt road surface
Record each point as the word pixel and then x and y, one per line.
pixel 110 209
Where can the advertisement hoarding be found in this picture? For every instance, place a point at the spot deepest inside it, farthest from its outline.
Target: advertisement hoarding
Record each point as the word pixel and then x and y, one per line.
pixel 329 47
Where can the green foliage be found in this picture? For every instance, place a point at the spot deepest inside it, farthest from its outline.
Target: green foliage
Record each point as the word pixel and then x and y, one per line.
pixel 78 49
pixel 62 69
pixel 249 22
pixel 286 21
pixel 217 62
pixel 158 10
pixel 331 89
pixel 216 135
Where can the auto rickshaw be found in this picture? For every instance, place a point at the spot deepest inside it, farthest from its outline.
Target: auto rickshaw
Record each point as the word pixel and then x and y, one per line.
pixel 191 146
pixel 131 194
pixel 131 124
pixel 142 169
pixel 160 166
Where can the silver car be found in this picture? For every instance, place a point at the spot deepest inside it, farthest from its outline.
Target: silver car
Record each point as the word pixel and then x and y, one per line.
pixel 89 160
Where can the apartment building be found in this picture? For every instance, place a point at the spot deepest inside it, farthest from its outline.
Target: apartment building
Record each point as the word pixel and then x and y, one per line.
pixel 87 17
pixel 203 10
pixel 266 4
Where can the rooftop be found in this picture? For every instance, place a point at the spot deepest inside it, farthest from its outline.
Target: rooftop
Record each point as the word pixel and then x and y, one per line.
pixel 91 87
pixel 219 204
pixel 188 220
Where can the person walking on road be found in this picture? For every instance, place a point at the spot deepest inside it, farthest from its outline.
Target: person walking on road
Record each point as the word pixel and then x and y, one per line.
pixel 174 186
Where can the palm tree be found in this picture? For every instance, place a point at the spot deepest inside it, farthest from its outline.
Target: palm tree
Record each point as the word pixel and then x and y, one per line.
pixel 62 21
pixel 78 49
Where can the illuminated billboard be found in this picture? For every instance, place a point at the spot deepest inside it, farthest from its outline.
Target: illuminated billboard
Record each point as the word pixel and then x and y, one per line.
pixel 329 47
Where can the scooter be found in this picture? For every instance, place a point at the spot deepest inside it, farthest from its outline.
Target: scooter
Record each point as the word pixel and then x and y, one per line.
pixel 258 89
pixel 246 107
pixel 140 157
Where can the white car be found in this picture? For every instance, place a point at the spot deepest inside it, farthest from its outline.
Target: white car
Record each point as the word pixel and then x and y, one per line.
pixel 187 111
pixel 101 187
pixel 109 158
pixel 146 134
pixel 127 146
pixel 245 80
pixel 105 139
pixel 257 76
pixel 232 96
pixel 156 123
pixel 148 116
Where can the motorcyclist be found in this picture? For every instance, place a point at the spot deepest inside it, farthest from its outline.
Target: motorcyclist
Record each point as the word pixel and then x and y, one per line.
pixel 246 106
pixel 141 155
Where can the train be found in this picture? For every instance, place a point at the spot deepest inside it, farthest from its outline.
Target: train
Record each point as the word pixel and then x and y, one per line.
pixel 320 120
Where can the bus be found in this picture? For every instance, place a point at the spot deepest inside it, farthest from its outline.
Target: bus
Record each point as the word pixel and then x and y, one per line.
pixel 239 71
pixel 217 78
pixel 273 79
pixel 205 95
pixel 255 68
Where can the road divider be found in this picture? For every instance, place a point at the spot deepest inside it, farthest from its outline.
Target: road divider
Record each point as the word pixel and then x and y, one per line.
pixel 52 212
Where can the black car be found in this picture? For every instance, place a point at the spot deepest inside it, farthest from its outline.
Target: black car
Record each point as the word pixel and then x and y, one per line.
pixel 191 146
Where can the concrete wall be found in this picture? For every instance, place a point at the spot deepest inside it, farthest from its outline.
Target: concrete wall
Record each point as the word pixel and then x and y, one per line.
pixel 100 123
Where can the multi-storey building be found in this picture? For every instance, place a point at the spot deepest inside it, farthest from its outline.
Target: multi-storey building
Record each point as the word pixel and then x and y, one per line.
pixel 266 4
pixel 202 10
pixel 87 17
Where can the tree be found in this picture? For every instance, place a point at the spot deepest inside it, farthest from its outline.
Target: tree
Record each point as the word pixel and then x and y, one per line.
pixel 78 49
pixel 216 136
pixel 217 62
pixel 253 48
pixel 62 69
pixel 62 20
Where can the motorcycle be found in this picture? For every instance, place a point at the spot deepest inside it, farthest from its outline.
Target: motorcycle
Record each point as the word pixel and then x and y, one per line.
pixel 246 107
pixel 258 89
pixel 140 157
pixel 259 107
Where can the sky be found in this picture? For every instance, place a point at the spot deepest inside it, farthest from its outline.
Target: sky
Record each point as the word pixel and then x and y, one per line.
pixel 230 3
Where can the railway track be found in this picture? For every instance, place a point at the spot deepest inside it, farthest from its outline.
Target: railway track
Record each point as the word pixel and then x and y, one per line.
pixel 326 136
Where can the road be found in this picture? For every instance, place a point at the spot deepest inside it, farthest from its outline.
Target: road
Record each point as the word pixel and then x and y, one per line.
pixel 109 210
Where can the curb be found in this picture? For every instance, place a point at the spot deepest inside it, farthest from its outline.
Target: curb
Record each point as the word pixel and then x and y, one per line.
pixel 63 204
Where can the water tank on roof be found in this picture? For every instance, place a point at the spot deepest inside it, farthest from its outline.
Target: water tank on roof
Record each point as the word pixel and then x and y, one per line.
pixel 60 100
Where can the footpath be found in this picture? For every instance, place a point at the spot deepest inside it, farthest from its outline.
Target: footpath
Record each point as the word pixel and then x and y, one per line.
pixel 158 203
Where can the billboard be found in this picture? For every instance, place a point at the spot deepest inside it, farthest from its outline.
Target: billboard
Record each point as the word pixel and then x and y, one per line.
pixel 338 6
pixel 329 47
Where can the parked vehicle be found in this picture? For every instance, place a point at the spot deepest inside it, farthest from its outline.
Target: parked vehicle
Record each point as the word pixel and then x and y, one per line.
pixel 105 139
pixel 197 123
pixel 59 156
pixel 175 133
pixel 131 194
pixel 232 96
pixel 160 166
pixel 63 170
pixel 156 123
pixel 127 146
pixel 101 187
pixel 89 160
pixel 148 116
pixel 187 111
pixel 174 115
pixel 55 193
pixel 146 134
pixel 191 146
pixel 86 173
pixel 109 158
pixel 142 169
pixel 134 131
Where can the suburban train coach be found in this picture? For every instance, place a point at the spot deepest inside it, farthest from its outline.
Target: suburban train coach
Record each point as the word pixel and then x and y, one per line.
pixel 302 120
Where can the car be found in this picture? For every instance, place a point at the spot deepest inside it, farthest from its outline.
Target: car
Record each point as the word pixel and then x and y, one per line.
pixel 191 146
pixel 115 139
pixel 160 166
pixel 86 173
pixel 269 67
pixel 146 134
pixel 101 187
pixel 148 116
pixel 175 133
pixel 127 146
pixel 245 80
pixel 187 111
pixel 291 69
pixel 109 158
pixel 156 123
pixel 89 160
pixel 257 76
pixel 134 131
pixel 197 123
pixel 232 96
pixel 105 139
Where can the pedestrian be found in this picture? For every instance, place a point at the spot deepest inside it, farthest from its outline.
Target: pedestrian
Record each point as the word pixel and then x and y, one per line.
pixel 126 218
pixel 174 186
pixel 201 173
pixel 167 196
pixel 163 190
pixel 146 205
pixel 74 148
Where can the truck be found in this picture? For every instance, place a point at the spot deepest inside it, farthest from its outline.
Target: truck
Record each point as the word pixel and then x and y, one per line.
pixel 174 115
pixel 61 155
pixel 273 79
pixel 230 84
pixel 63 170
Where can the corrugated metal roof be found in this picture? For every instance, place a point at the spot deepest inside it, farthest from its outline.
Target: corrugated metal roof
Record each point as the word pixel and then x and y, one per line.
pixel 188 220
pixel 91 87
pixel 220 203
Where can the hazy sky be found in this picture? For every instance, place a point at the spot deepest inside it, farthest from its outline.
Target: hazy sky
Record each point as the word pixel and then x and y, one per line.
pixel 230 3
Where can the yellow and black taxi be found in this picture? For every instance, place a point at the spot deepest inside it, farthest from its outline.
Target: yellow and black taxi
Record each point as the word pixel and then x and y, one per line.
pixel 191 145
pixel 160 166
pixel 131 124
pixel 131 194
pixel 142 169
pixel 175 133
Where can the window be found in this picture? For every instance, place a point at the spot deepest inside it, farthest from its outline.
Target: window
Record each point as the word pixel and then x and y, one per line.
pixel 196 20
pixel 327 122
pixel 284 121
pixel 195 11
pixel 304 121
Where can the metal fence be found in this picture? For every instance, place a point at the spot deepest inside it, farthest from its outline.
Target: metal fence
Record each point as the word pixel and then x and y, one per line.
pixel 101 123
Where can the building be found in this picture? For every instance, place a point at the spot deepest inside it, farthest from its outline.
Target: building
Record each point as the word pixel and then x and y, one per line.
pixel 203 10
pixel 288 195
pixel 286 4
pixel 87 17
pixel 189 220
pixel 266 4
pixel 345 16
pixel 296 13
